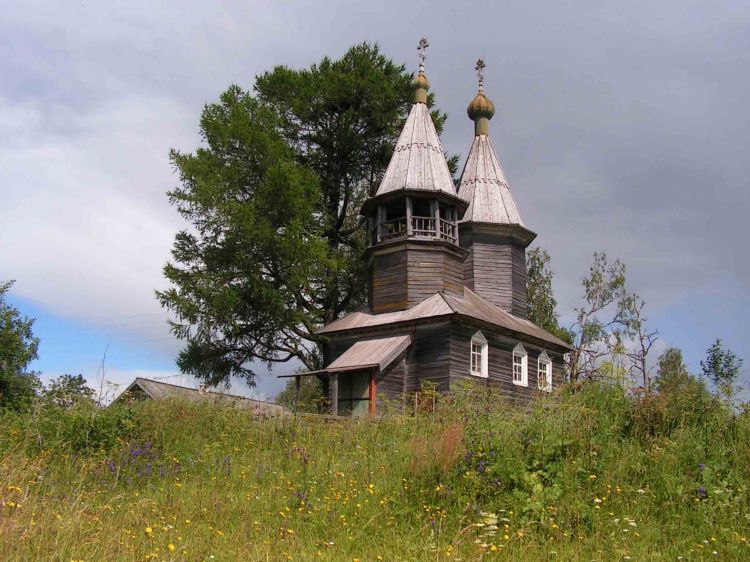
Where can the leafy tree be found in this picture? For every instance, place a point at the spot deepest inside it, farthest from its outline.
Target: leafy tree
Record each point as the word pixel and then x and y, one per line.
pixel 593 337
pixel 311 397
pixel 541 302
pixel 721 367
pixel 671 373
pixel 67 390
pixel 18 348
pixel 273 200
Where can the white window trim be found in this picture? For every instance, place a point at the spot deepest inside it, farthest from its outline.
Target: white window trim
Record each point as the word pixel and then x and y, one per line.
pixel 479 339
pixel 545 361
pixel 520 351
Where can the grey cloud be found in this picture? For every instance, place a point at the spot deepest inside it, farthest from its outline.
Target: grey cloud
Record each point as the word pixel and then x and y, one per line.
pixel 622 126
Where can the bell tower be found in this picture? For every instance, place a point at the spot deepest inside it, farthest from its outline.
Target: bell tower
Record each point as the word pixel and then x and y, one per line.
pixel 413 217
pixel 491 230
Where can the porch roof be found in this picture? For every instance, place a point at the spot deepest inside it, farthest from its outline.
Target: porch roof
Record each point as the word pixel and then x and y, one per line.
pixel 377 352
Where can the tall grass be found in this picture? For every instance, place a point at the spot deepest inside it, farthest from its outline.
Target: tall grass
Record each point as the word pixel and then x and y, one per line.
pixel 587 475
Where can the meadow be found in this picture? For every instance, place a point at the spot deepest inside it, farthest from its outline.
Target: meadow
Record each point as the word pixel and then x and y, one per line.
pixel 591 473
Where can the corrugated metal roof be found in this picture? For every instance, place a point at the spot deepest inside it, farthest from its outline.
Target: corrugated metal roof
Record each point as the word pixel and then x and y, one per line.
pixel 418 162
pixel 378 352
pixel 443 304
pixel 484 186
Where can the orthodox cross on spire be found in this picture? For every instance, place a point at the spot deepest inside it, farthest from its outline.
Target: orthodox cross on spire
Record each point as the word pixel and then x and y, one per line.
pixel 421 47
pixel 480 73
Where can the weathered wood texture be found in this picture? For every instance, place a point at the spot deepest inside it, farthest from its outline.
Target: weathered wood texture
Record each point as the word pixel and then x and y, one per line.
pixel 404 274
pixel 388 288
pixel 496 269
pixel 391 385
pixel 428 357
pixel 500 362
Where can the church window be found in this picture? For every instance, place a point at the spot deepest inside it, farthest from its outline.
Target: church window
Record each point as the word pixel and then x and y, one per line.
pixel 544 372
pixel 520 366
pixel 478 359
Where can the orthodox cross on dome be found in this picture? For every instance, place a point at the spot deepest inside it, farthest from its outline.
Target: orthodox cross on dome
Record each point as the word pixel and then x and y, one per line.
pixel 421 47
pixel 480 73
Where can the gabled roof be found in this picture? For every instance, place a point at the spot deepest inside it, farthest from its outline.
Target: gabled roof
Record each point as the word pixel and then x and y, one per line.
pixel 157 390
pixel 431 307
pixel 418 162
pixel 469 305
pixel 377 352
pixel 484 186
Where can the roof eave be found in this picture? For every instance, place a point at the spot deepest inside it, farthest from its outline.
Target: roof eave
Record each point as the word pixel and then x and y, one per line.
pixel 452 198
pixel 517 232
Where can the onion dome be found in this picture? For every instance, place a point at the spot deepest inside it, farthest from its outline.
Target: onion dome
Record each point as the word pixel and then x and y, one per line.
pixel 480 106
pixel 481 109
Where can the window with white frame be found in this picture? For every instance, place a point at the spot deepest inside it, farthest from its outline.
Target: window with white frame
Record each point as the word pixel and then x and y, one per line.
pixel 544 372
pixel 478 356
pixel 520 366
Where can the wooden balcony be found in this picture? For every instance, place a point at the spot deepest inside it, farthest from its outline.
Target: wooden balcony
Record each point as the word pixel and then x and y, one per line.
pixel 420 227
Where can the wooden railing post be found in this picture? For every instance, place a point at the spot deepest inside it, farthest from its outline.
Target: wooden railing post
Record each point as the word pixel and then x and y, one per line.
pixel 436 214
pixel 408 217
pixel 334 379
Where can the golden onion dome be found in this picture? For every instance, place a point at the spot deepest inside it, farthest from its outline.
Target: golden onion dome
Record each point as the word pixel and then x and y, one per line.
pixel 480 106
pixel 421 81
pixel 421 85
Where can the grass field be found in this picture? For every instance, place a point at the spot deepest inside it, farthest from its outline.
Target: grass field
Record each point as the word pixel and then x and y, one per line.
pixel 590 475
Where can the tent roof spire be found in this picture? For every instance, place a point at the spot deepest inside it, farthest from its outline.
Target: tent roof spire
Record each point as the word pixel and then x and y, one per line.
pixel 483 182
pixel 418 162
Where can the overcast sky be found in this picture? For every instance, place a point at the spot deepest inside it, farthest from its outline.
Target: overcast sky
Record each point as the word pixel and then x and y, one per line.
pixel 622 126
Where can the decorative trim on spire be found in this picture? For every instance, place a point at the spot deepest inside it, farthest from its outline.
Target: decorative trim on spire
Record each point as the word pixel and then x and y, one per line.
pixel 484 186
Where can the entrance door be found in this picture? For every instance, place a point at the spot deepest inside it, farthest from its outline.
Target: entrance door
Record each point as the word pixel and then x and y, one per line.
pixel 354 393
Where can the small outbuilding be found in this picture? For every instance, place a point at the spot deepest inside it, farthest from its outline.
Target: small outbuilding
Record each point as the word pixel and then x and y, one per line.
pixel 147 389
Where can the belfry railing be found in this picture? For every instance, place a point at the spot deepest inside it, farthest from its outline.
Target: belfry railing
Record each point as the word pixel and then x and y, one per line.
pixel 421 227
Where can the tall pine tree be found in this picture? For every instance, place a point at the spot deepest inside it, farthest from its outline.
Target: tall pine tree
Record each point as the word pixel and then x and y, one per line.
pixel 275 245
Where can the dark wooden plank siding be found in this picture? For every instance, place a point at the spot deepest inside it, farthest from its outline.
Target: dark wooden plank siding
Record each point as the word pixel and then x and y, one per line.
pixel 391 385
pixel 429 357
pixel 500 362
pixel 518 260
pixel 388 288
pixel 425 276
pixel 496 270
pixel 406 274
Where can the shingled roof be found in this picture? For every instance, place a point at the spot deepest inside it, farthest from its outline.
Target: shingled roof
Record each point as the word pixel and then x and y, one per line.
pixel 484 186
pixel 469 305
pixel 418 162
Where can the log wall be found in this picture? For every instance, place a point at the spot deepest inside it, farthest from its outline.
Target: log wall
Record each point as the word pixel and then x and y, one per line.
pixel 496 269
pixel 500 362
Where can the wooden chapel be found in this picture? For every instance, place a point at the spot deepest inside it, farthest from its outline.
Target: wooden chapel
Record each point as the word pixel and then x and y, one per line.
pixel 447 279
